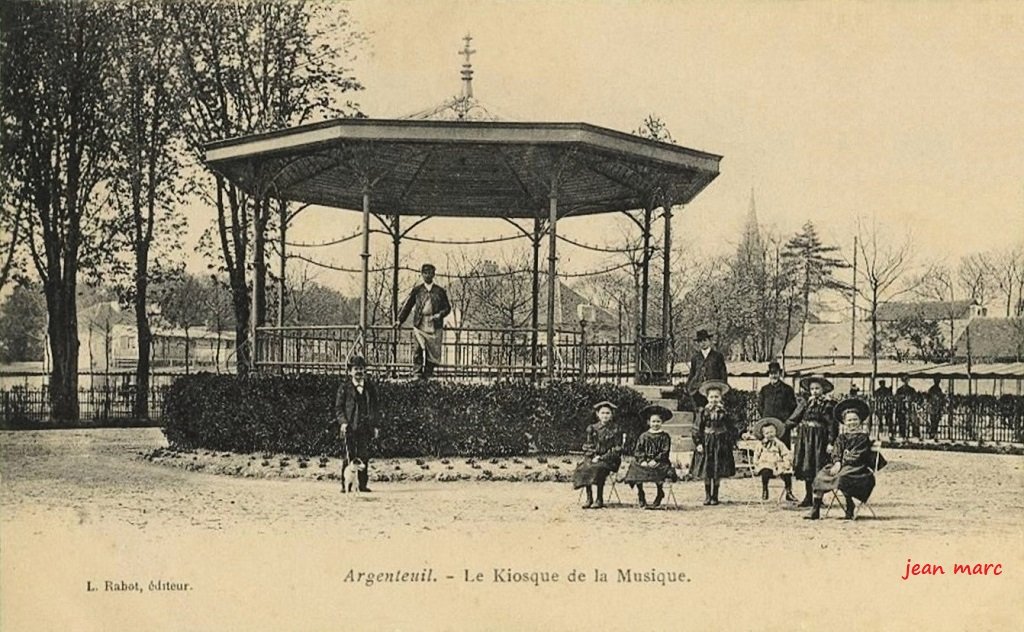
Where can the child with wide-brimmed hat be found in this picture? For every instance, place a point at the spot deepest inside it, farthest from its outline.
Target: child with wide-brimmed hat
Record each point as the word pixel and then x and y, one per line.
pixel 651 462
pixel 715 434
pixel 771 456
pixel 852 470
pixel 603 455
pixel 816 431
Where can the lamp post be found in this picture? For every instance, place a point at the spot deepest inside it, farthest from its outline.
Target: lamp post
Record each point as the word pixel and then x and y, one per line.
pixel 585 312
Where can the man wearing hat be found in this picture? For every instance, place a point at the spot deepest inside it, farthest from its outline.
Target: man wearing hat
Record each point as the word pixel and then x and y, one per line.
pixel 906 397
pixel 355 405
pixel 776 399
pixel 706 365
pixel 428 304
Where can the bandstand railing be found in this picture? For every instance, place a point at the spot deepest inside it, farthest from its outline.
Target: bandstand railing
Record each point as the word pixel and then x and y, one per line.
pixel 467 353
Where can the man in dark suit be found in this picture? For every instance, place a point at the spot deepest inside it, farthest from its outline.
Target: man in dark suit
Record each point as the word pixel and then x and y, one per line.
pixel 705 365
pixel 777 399
pixel 355 405
pixel 884 407
pixel 906 398
pixel 428 304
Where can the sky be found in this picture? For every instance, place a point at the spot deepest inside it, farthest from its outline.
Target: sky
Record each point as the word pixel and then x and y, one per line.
pixel 908 114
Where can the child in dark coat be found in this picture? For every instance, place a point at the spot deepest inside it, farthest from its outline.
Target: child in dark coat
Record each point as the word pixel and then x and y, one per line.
pixel 603 455
pixel 651 462
pixel 714 432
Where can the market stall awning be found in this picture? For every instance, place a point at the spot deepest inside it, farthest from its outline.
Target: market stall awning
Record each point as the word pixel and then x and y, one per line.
pixel 462 168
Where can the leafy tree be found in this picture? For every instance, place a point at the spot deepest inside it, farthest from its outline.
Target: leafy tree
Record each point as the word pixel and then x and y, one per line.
pixel 183 303
pixel 253 66
pixel 911 338
pixel 813 265
pixel 146 186
pixel 58 60
pixel 22 323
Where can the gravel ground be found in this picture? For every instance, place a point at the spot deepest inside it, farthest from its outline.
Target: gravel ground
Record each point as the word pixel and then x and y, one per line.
pixel 267 553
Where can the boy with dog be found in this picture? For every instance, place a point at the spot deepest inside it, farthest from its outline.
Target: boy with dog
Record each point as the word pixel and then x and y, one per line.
pixel 356 406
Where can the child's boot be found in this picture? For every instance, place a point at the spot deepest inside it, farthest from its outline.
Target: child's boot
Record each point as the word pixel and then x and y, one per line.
pixel 806 502
pixel 590 498
pixel 660 496
pixel 707 492
pixel 600 496
pixel 849 508
pixel 816 511
pixel 787 480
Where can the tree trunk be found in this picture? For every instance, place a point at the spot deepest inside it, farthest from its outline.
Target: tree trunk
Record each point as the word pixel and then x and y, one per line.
pixel 62 328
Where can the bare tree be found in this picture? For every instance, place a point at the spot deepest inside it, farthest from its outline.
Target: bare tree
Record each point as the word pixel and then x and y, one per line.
pixel 1005 271
pixel 883 263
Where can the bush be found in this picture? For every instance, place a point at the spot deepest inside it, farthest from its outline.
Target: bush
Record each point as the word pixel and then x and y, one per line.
pixel 295 414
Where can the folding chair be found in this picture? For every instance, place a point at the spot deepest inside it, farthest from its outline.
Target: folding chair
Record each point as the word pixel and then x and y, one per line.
pixel 609 488
pixel 857 505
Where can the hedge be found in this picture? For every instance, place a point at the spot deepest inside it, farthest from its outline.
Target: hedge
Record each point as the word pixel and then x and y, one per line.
pixel 295 414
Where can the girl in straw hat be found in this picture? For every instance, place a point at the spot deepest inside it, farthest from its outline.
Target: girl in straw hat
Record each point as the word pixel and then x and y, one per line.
pixel 853 461
pixel 714 432
pixel 815 432
pixel 651 462
pixel 603 455
pixel 771 456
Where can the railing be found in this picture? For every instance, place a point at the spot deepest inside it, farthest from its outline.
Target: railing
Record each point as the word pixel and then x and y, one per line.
pixel 102 402
pixel 957 418
pixel 466 353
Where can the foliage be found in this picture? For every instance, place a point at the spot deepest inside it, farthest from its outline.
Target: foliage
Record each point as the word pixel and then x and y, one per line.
pixel 911 338
pixel 59 61
pixel 248 67
pixel 295 413
pixel 22 324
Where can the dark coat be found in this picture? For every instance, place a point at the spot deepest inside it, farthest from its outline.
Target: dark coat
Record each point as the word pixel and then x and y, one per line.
pixel 702 370
pixel 417 300
pixel 776 400
pixel 360 419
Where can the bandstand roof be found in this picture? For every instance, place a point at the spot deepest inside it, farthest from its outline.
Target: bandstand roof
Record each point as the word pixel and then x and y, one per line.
pixel 463 168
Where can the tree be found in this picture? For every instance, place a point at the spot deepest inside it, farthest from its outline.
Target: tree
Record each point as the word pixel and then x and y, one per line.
pixel 148 102
pixel 57 60
pixel 22 323
pixel 1005 271
pixel 813 265
pixel 253 66
pixel 883 263
pixel 911 338
pixel 183 304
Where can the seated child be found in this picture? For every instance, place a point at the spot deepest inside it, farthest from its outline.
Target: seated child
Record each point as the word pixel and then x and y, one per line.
pixel 853 461
pixel 771 456
pixel 603 451
pixel 651 463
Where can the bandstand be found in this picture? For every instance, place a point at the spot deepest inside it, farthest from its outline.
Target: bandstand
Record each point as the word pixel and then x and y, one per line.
pixel 459 160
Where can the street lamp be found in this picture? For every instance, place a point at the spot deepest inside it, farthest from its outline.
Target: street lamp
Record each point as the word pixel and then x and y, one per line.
pixel 584 312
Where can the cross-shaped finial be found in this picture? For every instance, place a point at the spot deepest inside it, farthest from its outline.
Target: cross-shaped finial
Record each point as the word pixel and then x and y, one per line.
pixel 467 51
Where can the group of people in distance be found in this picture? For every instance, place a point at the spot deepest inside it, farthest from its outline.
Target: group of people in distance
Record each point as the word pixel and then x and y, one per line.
pixel 814 439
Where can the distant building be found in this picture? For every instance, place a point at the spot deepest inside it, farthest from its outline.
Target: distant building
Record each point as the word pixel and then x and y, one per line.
pixel 109 342
pixel 830 341
pixel 992 340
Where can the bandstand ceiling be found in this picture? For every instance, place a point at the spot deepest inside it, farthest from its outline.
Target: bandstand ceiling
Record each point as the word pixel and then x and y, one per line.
pixel 462 168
